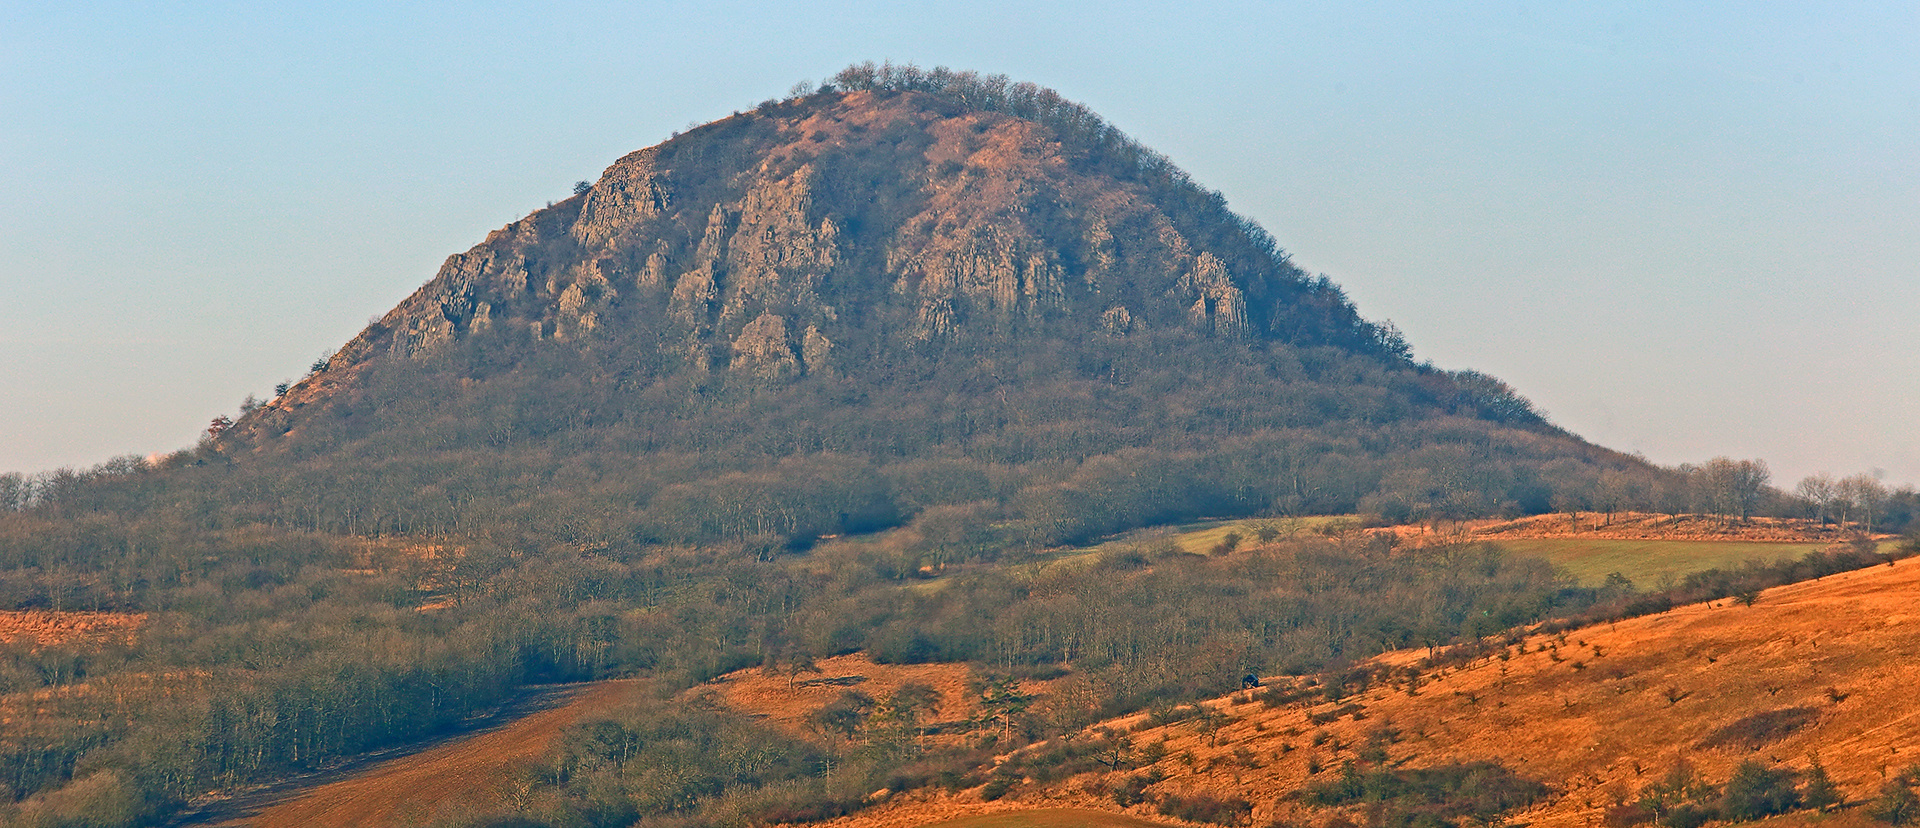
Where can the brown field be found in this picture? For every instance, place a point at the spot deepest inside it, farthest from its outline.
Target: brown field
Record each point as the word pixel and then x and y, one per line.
pixel 1630 526
pixel 472 771
pixel 770 696
pixel 41 628
pixel 1047 818
pixel 1654 526
pixel 1597 713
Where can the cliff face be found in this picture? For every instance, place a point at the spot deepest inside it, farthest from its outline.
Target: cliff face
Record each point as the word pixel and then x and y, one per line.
pixel 764 240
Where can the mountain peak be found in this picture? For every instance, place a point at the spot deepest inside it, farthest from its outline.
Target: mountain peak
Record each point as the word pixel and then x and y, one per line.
pixel 897 269
pixel 905 214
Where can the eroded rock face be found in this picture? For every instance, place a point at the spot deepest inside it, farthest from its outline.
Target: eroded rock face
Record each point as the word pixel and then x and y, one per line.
pixel 626 195
pixel 762 352
pixel 760 242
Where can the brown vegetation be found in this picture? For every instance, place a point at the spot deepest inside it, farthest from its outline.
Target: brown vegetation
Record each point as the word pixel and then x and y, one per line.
pixel 769 694
pixel 1822 667
pixel 46 628
pixel 1627 526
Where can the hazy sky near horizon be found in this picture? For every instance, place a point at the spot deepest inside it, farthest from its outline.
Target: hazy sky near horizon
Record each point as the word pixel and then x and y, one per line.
pixel 1685 230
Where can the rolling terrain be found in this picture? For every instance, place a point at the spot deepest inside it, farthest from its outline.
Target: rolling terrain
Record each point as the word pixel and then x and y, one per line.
pixel 1823 668
pixel 1815 668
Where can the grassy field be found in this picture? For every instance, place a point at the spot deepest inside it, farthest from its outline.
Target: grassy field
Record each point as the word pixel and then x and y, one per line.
pixel 1201 537
pixel 1649 562
pixel 1047 818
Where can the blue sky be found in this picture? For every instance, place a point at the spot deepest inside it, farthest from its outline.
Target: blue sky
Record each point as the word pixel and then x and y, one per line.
pixel 1685 230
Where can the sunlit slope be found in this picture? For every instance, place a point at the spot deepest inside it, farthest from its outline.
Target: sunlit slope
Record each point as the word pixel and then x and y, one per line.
pixel 1597 713
pixel 459 777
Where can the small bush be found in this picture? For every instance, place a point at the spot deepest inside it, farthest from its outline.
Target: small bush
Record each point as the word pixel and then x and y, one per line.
pixel 1440 796
pixel 1757 791
pixel 996 787
pixel 1133 789
pixel 1819 793
pixel 1628 814
pixel 1230 810
pixel 1896 804
pixel 1688 815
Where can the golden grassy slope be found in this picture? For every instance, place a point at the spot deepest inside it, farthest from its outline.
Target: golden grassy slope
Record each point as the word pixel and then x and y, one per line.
pixel 1597 713
pixel 471 772
pixel 787 701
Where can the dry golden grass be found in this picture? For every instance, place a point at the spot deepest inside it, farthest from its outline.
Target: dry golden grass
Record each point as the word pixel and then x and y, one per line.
pixel 1047 818
pixel 1597 714
pixel 39 627
pixel 771 696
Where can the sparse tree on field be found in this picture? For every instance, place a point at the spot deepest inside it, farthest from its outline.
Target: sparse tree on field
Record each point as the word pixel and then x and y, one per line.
pixel 798 664
pixel 1210 722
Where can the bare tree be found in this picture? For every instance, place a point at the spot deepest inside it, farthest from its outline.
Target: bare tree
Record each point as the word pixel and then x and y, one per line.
pixel 1861 496
pixel 1734 487
pixel 1819 491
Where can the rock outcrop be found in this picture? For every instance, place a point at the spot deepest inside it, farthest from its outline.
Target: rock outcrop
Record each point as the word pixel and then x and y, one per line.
pixel 759 245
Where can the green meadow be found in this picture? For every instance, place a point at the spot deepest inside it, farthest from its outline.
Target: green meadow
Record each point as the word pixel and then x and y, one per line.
pixel 1649 563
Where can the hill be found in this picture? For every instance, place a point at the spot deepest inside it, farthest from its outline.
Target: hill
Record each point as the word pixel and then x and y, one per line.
pixel 1815 671
pixel 815 379
pixel 922 299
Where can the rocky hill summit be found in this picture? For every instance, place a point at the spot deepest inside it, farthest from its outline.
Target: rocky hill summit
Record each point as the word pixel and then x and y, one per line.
pixel 935 290
pixel 885 216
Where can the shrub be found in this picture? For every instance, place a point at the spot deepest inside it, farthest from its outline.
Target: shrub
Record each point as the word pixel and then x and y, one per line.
pixel 1437 796
pixel 1628 814
pixel 1757 791
pixel 1133 789
pixel 1820 793
pixel 1230 810
pixel 1896 804
pixel 1688 815
pixel 996 787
